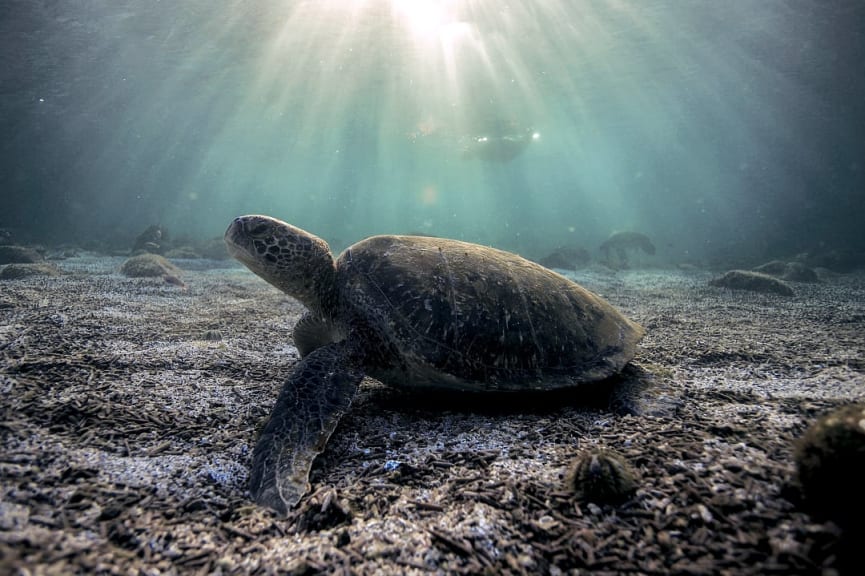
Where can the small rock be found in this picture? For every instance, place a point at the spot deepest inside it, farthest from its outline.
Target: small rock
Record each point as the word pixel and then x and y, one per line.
pixel 152 240
pixel 12 254
pixel 18 271
pixel 615 249
pixel 183 252
pixel 13 516
pixel 798 272
pixel 791 271
pixel 773 268
pixel 149 265
pixel 566 258
pixel 752 281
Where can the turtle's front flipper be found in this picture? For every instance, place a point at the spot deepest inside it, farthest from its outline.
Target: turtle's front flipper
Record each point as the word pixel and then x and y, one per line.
pixel 314 398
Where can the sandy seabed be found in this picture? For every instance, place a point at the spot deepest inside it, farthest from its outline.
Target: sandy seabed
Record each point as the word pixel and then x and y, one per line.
pixel 130 407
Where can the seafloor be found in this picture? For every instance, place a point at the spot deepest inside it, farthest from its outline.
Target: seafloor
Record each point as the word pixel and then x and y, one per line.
pixel 130 407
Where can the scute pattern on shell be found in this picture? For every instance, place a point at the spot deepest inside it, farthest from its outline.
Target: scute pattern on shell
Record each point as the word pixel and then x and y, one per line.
pixel 444 312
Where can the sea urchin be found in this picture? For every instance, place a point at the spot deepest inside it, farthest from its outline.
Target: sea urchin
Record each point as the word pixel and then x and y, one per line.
pixel 601 476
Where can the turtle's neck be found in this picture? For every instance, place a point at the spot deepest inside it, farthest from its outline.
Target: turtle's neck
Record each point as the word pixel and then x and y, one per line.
pixel 322 297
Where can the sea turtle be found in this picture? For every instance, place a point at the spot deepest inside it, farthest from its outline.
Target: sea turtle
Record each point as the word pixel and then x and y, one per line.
pixel 414 311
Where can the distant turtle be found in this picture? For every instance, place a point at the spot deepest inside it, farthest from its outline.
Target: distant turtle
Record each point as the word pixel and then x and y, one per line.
pixel 414 311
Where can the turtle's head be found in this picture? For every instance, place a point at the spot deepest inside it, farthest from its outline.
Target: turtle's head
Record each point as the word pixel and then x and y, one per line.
pixel 293 260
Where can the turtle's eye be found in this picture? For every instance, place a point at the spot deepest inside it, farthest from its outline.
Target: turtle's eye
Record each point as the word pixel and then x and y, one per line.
pixel 259 230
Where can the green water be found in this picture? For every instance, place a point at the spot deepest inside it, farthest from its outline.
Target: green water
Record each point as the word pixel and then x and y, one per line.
pixel 716 128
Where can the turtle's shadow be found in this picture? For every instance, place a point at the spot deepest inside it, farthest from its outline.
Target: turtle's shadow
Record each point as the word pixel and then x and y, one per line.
pixel 623 393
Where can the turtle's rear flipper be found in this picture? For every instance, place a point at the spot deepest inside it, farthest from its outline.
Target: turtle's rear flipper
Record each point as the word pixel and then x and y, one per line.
pixel 314 398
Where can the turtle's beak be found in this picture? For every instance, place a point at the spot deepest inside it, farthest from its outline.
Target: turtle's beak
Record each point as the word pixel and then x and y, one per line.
pixel 247 238
pixel 235 229
pixel 237 239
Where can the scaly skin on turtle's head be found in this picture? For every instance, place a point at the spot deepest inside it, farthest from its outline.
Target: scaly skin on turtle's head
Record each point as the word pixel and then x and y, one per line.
pixel 289 258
